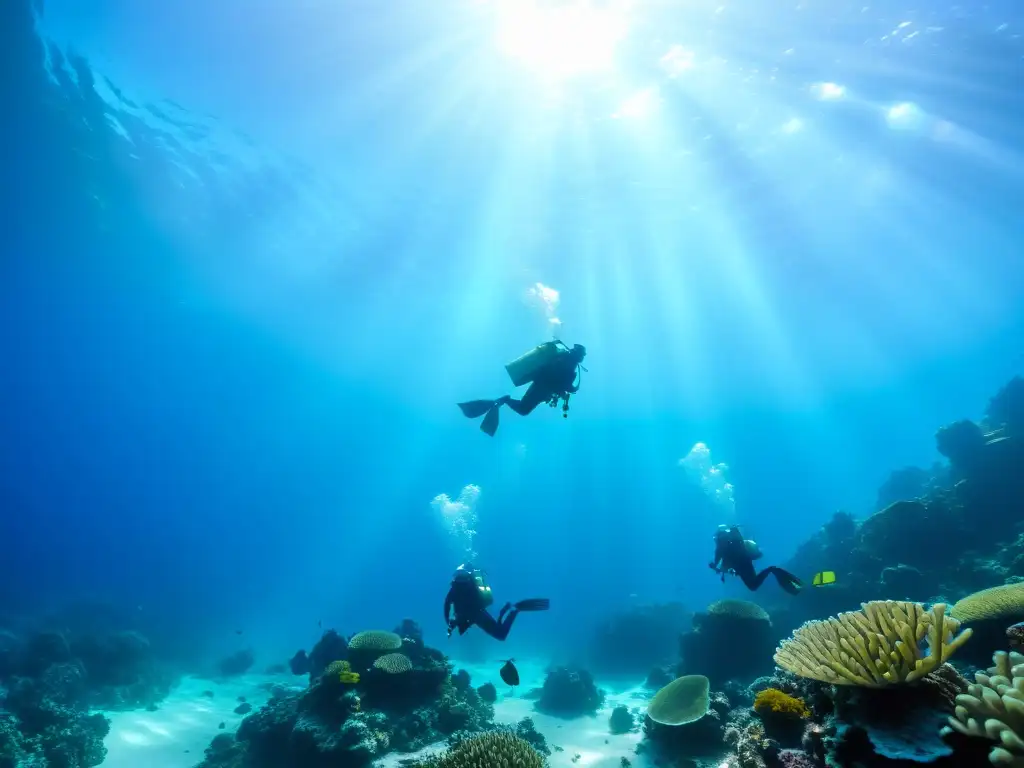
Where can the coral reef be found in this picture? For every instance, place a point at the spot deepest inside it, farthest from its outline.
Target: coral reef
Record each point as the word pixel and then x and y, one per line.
pixel 901 722
pixel 329 648
pixel 569 692
pixel 410 631
pixel 634 641
pixel 488 692
pixel 299 663
pixel 49 682
pixel 658 677
pixel 699 737
pixel 382 698
pixel 621 720
pixel 41 725
pixel 731 640
pixel 238 663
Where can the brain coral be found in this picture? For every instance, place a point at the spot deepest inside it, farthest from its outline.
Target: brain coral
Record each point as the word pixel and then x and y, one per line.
pixel 738 609
pixel 375 640
pixel 393 663
pixel 1003 602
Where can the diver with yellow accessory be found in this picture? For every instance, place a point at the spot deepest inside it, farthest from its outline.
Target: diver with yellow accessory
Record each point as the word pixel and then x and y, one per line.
pixel 735 555
pixel 551 370
pixel 468 599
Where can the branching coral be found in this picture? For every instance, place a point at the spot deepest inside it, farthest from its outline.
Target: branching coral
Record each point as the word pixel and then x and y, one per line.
pixel 993 708
pixel 877 646
pixel 491 749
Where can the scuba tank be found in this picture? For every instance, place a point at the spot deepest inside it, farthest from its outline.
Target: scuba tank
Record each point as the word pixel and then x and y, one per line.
pixel 753 551
pixel 523 369
pixel 486 596
pixel 467 574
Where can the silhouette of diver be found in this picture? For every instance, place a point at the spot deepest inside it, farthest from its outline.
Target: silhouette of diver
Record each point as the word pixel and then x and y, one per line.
pixel 736 556
pixel 551 370
pixel 470 595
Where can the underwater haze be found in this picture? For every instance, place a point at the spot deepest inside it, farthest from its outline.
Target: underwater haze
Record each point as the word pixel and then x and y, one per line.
pixel 254 253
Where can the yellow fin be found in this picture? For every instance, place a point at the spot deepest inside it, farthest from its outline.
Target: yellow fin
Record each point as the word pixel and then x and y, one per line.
pixel 824 578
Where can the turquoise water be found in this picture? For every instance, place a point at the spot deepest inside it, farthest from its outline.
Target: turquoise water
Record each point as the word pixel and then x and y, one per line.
pixel 255 254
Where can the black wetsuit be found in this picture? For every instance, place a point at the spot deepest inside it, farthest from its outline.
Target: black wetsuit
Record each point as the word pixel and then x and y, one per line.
pixel 464 597
pixel 557 378
pixel 731 556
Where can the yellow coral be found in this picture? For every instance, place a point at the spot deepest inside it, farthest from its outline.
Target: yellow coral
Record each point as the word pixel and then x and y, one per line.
pixel 772 701
pixel 1003 602
pixel 343 671
pixel 874 647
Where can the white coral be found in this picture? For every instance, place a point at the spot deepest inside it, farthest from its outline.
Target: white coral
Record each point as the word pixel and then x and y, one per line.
pixel 993 708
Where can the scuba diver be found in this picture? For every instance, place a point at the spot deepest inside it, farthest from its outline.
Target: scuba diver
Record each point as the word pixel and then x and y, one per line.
pixel 736 555
pixel 551 369
pixel 470 595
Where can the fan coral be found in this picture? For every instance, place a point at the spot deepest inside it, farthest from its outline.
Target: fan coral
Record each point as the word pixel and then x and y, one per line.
pixel 874 647
pixel 772 701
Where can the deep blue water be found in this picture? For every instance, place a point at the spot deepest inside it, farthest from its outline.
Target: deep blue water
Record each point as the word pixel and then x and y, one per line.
pixel 253 255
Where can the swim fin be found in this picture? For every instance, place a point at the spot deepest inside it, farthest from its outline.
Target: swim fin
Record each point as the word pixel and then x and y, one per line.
pixel 534 604
pixel 788 581
pixel 474 409
pixel 490 423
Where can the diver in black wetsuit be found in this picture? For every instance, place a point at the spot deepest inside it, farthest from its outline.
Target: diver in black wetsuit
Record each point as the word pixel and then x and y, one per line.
pixel 736 556
pixel 470 595
pixel 551 381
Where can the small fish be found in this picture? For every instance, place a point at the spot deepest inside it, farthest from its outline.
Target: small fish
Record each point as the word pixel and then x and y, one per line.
pixel 238 631
pixel 1015 634
pixel 509 673
pixel 319 623
pixel 824 578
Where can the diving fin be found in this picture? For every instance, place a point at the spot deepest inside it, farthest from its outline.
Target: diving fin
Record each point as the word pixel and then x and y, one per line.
pixel 474 409
pixel 490 423
pixel 788 581
pixel 534 604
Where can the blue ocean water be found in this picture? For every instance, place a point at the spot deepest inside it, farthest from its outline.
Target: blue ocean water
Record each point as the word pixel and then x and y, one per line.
pixel 254 253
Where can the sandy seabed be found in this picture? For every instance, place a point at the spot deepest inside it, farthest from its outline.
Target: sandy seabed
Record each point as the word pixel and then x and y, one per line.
pixel 177 734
